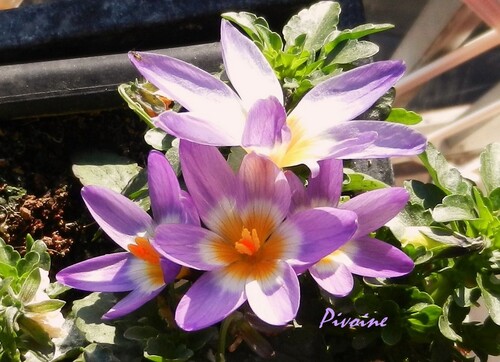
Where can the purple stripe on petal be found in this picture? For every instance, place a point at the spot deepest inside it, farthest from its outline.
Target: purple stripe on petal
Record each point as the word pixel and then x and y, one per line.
pixel 325 188
pixel 299 199
pixel 192 246
pixel 275 298
pixel 135 299
pixel 209 179
pixel 195 89
pixel 164 189
pixel 107 273
pixel 212 298
pixel 310 235
pixel 375 208
pixel 118 216
pixel 392 140
pixel 343 97
pixel 196 127
pixel 374 258
pixel 190 213
pixel 247 68
pixel 335 278
pixel 346 140
pixel 266 124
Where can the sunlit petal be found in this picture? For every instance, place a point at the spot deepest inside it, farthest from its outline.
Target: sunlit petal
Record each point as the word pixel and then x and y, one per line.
pixel 247 68
pixel 214 296
pixel 333 277
pixel 118 216
pixel 274 294
pixel 325 188
pixel 131 302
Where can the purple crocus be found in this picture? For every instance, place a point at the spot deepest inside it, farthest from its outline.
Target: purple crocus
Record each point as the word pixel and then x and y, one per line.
pixel 249 248
pixel 255 118
pixel 362 255
pixel 140 269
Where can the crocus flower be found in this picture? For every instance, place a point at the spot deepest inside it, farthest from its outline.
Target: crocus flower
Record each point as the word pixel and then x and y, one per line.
pixel 140 269
pixel 362 255
pixel 255 117
pixel 248 248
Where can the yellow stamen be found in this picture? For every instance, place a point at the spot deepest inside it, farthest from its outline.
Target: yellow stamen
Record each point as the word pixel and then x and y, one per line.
pixel 249 244
pixel 142 249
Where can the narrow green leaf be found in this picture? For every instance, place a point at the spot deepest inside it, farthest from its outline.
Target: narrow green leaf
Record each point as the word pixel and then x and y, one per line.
pixel 402 116
pixel 317 22
pixel 361 182
pixel 490 167
pixel 30 286
pixel 45 306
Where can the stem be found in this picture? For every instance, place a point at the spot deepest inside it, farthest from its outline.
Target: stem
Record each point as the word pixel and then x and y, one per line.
pixel 223 337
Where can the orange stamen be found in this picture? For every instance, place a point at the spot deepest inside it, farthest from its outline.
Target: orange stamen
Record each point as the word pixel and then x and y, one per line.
pixel 249 244
pixel 142 249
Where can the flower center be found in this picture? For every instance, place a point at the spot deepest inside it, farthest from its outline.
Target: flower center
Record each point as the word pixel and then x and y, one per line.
pixel 142 249
pixel 249 243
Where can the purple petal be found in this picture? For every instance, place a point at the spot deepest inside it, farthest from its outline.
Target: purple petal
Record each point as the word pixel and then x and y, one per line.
pixel 193 246
pixel 266 124
pixel 212 298
pixel 392 140
pixel 191 214
pixel 210 181
pixel 325 188
pixel 247 68
pixel 265 193
pixel 375 208
pixel 131 302
pixel 343 97
pixel 196 127
pixel 299 200
pixel 308 236
pixel 106 273
pixel 346 140
pixel 373 258
pixel 275 298
pixel 164 190
pixel 195 89
pixel 118 216
pixel 333 277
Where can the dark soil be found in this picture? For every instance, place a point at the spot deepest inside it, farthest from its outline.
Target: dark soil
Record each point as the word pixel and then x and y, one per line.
pixel 40 196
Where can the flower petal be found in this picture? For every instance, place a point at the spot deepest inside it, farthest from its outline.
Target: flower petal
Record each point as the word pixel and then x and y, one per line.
pixel 164 190
pixel 197 127
pixel 392 140
pixel 191 214
pixel 333 277
pixel 373 258
pixel 343 97
pixel 131 302
pixel 307 236
pixel 118 216
pixel 265 125
pixel 325 188
pixel 193 246
pixel 247 68
pixel 192 87
pixel 375 208
pixel 106 273
pixel 299 200
pixel 212 298
pixel 275 297
pixel 211 183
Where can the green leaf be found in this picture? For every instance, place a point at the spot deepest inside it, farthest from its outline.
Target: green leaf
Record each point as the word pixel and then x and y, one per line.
pixel 163 349
pixel 454 207
pixel 491 298
pixel 30 286
pixel 352 51
pixel 8 255
pixel 45 306
pixel 88 312
pixel 360 182
pixel 236 157
pixel 446 177
pixel 317 22
pixel 490 169
pixel 402 116
pixel 360 31
pixel 172 156
pixel 445 325
pixel 140 333
pixel 495 199
pixel 97 353
pixel 158 139
pixel 104 169
pixel 425 320
pixel 425 195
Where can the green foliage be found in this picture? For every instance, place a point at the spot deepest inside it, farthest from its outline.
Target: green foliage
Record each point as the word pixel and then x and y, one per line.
pixel 25 306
